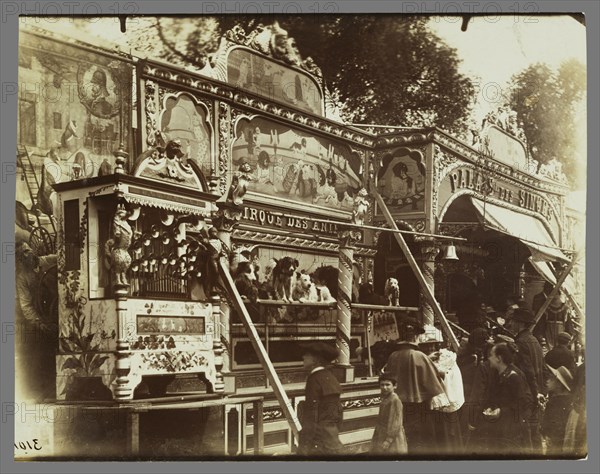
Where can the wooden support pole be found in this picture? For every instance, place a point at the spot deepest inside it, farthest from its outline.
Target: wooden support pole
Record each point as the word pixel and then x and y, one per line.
pixel 133 433
pixel 427 292
pixel 561 279
pixel 259 435
pixel 263 356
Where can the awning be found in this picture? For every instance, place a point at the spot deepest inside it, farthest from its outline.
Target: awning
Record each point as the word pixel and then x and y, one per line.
pixel 527 229
pixel 545 270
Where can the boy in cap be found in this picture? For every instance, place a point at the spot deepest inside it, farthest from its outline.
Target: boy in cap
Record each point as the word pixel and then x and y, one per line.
pixel 558 408
pixel 321 412
pixel 561 355
pixel 389 436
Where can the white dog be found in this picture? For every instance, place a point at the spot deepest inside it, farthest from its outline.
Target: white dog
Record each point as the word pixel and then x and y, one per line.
pixel 392 291
pixel 305 290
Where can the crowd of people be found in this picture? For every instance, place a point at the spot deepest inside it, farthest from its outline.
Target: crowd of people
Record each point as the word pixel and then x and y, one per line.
pixel 496 397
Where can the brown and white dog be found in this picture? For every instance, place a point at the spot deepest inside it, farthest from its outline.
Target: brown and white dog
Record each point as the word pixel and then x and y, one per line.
pixel 283 278
pixel 392 291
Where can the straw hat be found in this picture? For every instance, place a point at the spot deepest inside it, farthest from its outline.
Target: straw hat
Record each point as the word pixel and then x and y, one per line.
pixel 563 375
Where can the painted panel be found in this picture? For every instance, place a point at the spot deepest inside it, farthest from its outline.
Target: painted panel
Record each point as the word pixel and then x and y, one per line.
pixel 74 113
pixel 170 325
pixel 184 120
pixel 263 76
pixel 401 182
pixel 291 165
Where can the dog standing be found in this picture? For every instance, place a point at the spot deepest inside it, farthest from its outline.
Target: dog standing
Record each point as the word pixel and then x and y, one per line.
pixel 392 291
pixel 283 278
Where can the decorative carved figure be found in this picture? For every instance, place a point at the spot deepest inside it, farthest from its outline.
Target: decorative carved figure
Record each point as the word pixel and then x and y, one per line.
pixel 117 248
pixel 239 184
pixel 361 207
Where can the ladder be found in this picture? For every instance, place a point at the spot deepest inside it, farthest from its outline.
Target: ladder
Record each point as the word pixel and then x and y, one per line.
pixel 263 356
pixel 32 182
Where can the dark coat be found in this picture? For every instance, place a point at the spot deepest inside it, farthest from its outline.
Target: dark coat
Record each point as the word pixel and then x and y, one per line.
pixel 555 419
pixel 530 360
pixel 320 415
pixel 417 376
pixel 389 427
pixel 561 356
pixel 509 434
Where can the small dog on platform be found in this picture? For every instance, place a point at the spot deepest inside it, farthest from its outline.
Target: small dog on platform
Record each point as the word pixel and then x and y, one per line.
pixel 392 291
pixel 283 278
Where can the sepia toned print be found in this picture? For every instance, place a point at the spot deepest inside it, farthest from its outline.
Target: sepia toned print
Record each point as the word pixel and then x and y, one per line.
pixel 292 238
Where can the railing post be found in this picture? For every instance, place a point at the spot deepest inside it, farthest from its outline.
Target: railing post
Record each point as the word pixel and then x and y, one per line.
pixel 227 217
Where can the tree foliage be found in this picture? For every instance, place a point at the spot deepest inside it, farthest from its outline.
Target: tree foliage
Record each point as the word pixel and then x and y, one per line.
pixel 545 102
pixel 385 69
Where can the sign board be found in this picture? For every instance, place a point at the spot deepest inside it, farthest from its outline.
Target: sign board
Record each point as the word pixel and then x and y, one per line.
pixel 260 75
pixel 505 148
pixel 469 178
pixel 293 165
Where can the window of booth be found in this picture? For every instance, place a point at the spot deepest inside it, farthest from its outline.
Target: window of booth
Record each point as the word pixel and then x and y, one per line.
pixel 100 213
pixel 72 235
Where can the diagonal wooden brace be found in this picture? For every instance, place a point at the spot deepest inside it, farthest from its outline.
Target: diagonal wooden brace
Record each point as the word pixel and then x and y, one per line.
pixel 425 288
pixel 263 356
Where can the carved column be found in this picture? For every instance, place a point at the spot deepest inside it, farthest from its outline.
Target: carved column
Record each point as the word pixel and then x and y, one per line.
pixel 218 347
pixel 344 300
pixel 122 387
pixel 428 253
pixel 227 217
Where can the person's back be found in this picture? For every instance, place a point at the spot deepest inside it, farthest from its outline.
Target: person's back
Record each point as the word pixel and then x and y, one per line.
pixel 530 360
pixel 554 421
pixel 417 374
pixel 419 388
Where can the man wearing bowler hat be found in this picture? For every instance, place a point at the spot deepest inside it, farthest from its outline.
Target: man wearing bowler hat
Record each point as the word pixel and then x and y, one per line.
pixel 530 359
pixel 321 412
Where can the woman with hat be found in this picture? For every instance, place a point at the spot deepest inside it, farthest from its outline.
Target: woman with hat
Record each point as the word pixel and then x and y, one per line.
pixel 321 412
pixel 419 388
pixel 558 408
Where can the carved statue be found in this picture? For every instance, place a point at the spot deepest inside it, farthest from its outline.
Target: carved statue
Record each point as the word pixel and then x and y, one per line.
pixel 116 249
pixel 215 252
pixel 361 207
pixel 239 184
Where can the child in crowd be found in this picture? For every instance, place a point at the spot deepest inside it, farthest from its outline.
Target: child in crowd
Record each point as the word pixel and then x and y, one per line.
pixel 557 409
pixel 389 437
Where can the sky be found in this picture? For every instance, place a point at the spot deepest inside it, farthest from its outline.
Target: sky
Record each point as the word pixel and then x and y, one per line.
pixel 495 47
pixel 491 50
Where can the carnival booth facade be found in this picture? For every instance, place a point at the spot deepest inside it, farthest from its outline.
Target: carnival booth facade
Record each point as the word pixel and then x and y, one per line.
pixel 207 224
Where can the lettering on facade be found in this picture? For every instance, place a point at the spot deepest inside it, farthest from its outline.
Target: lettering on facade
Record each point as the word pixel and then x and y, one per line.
pixel 466 178
pixel 264 217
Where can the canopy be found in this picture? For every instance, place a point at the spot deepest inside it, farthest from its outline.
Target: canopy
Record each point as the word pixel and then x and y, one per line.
pixel 527 229
pixel 545 270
